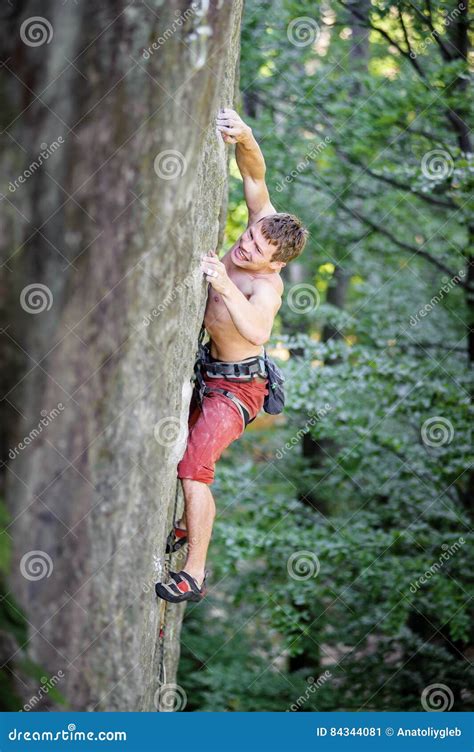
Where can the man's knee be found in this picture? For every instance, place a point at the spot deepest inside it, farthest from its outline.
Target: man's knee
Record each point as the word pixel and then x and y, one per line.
pixel 189 484
pixel 193 487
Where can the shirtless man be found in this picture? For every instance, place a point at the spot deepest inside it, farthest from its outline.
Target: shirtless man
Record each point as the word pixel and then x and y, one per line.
pixel 244 296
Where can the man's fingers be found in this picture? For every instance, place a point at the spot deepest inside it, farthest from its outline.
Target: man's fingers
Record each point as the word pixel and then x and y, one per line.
pixel 229 131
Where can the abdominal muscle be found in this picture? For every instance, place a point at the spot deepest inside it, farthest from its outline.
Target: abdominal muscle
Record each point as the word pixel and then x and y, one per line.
pixel 226 342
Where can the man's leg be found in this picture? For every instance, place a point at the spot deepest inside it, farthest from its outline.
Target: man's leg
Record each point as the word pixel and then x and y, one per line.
pixel 212 429
pixel 200 511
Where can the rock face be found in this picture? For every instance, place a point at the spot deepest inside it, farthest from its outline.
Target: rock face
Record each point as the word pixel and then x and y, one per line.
pixel 107 229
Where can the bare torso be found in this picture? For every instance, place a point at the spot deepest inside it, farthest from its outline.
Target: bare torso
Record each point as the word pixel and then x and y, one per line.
pixel 226 342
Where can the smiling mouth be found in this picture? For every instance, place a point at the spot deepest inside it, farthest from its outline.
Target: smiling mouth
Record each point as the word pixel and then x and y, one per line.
pixel 241 254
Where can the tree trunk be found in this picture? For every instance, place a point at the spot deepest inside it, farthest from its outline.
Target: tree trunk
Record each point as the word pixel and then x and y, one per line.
pixel 112 226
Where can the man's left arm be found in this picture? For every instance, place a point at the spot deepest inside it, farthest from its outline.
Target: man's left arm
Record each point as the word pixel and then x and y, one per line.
pixel 253 318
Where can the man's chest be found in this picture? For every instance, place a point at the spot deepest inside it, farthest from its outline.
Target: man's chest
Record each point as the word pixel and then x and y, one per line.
pixel 215 301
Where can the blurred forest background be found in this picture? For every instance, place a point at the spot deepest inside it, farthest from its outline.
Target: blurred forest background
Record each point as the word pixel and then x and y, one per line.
pixel 342 571
pixel 341 566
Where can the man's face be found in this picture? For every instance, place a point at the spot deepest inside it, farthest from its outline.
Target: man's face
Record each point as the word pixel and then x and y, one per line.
pixel 253 251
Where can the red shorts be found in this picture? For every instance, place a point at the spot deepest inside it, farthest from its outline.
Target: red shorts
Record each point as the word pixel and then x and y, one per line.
pixel 218 424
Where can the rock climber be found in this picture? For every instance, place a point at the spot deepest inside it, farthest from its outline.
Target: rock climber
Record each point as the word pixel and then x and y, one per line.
pixel 244 295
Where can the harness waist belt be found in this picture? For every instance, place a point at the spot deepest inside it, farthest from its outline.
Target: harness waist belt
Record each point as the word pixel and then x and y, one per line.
pixel 241 370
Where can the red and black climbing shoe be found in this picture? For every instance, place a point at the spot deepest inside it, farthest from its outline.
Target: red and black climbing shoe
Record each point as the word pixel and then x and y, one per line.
pixel 181 587
pixel 176 540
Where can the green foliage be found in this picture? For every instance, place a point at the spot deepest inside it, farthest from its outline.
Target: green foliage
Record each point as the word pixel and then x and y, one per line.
pixel 371 469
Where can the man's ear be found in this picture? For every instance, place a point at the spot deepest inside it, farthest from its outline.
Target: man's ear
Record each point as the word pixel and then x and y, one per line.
pixel 277 265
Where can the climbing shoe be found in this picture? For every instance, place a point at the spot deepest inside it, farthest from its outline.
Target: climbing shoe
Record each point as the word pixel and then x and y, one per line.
pixel 176 540
pixel 181 587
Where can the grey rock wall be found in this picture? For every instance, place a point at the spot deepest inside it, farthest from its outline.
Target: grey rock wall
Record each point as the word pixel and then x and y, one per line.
pixel 112 225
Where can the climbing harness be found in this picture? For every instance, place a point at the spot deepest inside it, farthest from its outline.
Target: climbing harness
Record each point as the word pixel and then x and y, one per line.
pixel 243 370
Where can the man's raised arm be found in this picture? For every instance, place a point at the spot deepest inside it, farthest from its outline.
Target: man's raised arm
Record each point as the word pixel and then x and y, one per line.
pixel 250 162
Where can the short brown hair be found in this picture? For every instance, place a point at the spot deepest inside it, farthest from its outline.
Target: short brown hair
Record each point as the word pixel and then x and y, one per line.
pixel 287 233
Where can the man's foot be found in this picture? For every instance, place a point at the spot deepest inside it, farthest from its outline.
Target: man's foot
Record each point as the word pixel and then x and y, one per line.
pixel 177 538
pixel 182 587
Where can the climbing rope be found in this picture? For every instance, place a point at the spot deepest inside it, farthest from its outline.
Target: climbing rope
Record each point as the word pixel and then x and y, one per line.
pixel 164 603
pixel 163 613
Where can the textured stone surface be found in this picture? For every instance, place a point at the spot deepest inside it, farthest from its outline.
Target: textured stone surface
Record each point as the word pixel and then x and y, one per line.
pixel 113 242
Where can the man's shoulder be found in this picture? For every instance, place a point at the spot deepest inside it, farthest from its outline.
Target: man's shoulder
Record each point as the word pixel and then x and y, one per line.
pixel 273 281
pixel 270 288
